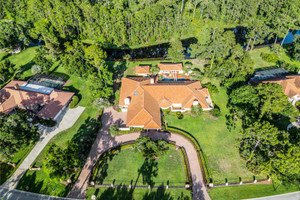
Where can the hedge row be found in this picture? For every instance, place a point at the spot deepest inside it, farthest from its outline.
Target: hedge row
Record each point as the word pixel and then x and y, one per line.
pixel 271 58
pixel 201 157
pixel 188 177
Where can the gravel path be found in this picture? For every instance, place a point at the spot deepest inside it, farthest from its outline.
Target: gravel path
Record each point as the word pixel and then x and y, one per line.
pixel 66 120
pixel 105 141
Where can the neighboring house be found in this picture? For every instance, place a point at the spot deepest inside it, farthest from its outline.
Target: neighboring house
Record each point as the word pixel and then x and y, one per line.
pixel 170 68
pixel 142 70
pixel 45 102
pixel 290 85
pixel 144 97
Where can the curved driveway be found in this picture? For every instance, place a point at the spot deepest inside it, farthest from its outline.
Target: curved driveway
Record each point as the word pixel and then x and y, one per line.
pixel 105 142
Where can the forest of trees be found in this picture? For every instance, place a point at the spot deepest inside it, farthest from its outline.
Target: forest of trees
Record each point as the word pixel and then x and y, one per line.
pixel 132 22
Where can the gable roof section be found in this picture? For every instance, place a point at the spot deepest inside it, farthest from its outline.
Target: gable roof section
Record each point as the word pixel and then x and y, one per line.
pixel 170 66
pixel 142 70
pixel 290 84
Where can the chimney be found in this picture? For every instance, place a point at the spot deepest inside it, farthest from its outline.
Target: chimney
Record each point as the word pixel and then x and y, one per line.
pixel 17 86
pixel 152 81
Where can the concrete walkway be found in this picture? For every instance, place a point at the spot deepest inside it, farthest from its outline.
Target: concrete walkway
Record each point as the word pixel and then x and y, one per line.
pixel 287 196
pixel 14 194
pixel 65 121
pixel 105 141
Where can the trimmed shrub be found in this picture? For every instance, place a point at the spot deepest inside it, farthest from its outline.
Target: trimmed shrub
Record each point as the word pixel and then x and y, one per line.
pixel 196 110
pixel 297 104
pixel 271 58
pixel 46 122
pixel 179 115
pixel 216 112
pixel 114 130
pixel 74 101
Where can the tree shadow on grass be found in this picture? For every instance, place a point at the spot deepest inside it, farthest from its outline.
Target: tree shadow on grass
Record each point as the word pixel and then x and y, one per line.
pixel 118 193
pixel 5 171
pixel 149 170
pixel 29 183
pixel 161 194
pixel 71 88
pixel 103 164
pixel 85 137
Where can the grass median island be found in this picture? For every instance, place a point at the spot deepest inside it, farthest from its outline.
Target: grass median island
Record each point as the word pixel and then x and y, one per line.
pixel 218 144
pixel 130 167
pixel 250 191
pixel 138 193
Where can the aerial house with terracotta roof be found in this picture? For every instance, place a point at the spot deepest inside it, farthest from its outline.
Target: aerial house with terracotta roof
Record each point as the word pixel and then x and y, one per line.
pixel 45 102
pixel 144 97
pixel 142 70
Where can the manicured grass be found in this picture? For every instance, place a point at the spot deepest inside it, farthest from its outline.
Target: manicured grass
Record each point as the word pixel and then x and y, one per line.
pixel 130 167
pixel 249 191
pixel 260 63
pixel 138 193
pixel 217 142
pixel 40 181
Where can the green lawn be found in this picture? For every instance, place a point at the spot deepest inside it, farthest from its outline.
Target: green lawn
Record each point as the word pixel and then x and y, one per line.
pixel 138 193
pixel 260 63
pixel 39 181
pixel 249 191
pixel 130 167
pixel 217 143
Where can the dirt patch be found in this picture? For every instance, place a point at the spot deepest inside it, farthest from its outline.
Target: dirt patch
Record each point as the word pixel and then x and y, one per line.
pixel 211 116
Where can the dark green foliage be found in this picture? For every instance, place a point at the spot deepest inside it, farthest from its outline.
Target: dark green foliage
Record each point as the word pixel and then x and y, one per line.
pixel 179 115
pixel 292 68
pixel 268 151
pixel 126 23
pixel 41 60
pixel 216 112
pixel 262 101
pixel 15 132
pixel 46 122
pixel 296 48
pixel 150 148
pixel 61 163
pixel 100 84
pixel 271 58
pixel 74 60
pixel 74 101
pixel 212 89
pixel 196 110
pixel 154 69
pixel 6 70
pixel 11 33
pixel 175 52
pixel 114 130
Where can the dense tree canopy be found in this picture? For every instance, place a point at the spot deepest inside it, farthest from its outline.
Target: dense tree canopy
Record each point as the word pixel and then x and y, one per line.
pixel 61 163
pixel 132 22
pixel 150 148
pixel 269 151
pixel 6 70
pixel 15 132
pixel 262 101
pixel 11 33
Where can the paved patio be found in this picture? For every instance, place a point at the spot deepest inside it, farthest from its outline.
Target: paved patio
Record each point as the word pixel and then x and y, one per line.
pixel 66 120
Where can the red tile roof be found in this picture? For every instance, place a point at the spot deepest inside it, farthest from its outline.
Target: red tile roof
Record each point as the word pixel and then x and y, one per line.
pixel 11 97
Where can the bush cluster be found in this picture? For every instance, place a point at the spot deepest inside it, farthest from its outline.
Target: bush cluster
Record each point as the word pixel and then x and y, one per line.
pixel 216 112
pixel 74 101
pixel 271 58
pixel 46 122
pixel 294 69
